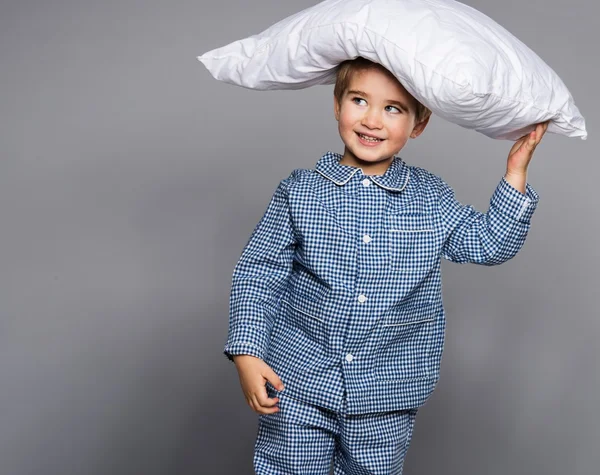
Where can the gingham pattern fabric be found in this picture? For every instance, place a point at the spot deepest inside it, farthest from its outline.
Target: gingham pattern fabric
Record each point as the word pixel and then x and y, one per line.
pixel 339 286
pixel 305 439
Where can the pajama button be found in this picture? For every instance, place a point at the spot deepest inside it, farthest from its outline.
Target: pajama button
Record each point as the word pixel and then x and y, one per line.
pixel 366 238
pixel 362 298
pixel 366 182
pixel 349 357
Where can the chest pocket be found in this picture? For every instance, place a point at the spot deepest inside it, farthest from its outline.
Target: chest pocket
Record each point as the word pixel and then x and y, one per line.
pixel 412 244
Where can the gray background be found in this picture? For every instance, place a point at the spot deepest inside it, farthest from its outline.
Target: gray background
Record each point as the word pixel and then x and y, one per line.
pixel 130 181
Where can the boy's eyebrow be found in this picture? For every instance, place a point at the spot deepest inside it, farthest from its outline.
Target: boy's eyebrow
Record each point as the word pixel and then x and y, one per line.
pixel 402 106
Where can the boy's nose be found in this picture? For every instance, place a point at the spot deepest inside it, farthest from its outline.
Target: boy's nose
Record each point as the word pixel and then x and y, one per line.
pixel 372 119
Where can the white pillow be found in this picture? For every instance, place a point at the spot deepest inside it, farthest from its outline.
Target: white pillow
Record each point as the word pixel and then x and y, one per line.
pixel 454 59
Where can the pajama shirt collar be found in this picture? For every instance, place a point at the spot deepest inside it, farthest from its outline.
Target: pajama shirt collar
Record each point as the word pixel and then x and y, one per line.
pixel 394 179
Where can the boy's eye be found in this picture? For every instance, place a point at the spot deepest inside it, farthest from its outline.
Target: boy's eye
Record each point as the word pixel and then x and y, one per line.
pixel 356 99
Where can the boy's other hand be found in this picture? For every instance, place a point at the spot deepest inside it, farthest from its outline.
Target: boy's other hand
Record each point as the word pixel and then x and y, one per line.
pixel 254 374
pixel 522 151
pixel 520 155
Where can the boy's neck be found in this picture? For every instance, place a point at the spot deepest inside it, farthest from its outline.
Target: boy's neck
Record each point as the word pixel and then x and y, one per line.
pixel 368 168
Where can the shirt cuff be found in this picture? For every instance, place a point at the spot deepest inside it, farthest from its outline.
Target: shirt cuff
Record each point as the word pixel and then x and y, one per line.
pixel 514 204
pixel 242 349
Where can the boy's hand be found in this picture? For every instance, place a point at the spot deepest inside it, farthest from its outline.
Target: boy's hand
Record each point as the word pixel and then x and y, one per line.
pixel 254 374
pixel 522 151
pixel 521 154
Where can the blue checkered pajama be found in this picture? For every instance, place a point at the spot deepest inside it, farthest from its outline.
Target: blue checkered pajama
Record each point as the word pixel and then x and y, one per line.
pixel 302 439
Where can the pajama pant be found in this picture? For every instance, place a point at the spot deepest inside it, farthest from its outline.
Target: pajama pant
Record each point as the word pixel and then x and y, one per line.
pixel 303 439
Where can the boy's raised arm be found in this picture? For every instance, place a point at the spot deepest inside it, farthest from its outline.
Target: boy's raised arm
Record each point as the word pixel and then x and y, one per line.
pixel 489 238
pixel 496 236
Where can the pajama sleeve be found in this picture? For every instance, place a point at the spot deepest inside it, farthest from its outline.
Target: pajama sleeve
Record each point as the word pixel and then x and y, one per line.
pixel 260 277
pixel 489 238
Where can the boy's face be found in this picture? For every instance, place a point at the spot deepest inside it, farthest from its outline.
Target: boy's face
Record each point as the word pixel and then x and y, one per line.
pixel 376 117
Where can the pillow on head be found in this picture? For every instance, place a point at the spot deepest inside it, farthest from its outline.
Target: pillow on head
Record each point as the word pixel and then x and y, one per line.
pixel 452 58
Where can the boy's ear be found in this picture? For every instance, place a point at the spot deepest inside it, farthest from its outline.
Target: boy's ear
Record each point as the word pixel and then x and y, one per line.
pixel 336 108
pixel 419 128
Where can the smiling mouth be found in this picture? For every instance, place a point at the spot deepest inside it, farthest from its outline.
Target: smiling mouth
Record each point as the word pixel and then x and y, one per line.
pixel 368 138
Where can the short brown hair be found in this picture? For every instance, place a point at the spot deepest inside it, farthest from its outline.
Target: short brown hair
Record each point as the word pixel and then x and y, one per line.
pixel 344 73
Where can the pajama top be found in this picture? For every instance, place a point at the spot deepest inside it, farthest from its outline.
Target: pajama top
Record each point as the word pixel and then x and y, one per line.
pixel 339 287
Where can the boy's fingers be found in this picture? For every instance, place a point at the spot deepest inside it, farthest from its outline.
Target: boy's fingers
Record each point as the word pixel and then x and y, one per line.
pixel 255 404
pixel 539 133
pixel 531 142
pixel 263 399
pixel 270 376
pixel 252 403
pixel 270 410
pixel 541 129
pixel 258 408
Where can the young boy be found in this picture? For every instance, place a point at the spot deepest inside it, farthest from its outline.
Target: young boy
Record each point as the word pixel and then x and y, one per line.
pixel 338 291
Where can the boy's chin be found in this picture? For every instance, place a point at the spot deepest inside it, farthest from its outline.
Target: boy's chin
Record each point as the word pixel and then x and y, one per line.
pixel 372 159
pixel 360 157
